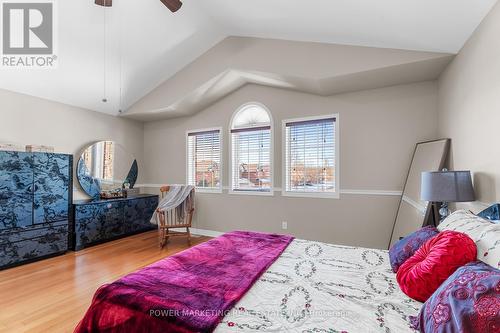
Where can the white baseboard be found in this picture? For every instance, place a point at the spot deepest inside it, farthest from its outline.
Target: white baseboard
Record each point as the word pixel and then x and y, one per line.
pixel 208 233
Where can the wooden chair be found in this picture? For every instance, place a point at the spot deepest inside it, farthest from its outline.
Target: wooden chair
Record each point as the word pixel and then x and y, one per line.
pixel 168 221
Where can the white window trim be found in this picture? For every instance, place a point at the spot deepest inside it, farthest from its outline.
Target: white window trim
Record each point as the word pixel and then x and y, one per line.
pixel 331 195
pixel 271 167
pixel 221 172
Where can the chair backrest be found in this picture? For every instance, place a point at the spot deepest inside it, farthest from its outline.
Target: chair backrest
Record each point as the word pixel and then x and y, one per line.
pixel 171 220
pixel 164 190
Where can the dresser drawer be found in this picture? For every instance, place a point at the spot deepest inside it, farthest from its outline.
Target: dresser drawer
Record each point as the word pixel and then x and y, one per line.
pixel 17 252
pixel 105 211
pixel 34 231
pixel 98 222
pixel 138 213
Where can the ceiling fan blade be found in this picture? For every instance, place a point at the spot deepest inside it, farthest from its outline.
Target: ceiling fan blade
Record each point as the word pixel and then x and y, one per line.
pixel 104 3
pixel 173 5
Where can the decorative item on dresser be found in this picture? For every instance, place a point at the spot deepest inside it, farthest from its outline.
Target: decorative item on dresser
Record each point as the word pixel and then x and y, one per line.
pixel 11 147
pixel 35 198
pixel 98 221
pixel 39 149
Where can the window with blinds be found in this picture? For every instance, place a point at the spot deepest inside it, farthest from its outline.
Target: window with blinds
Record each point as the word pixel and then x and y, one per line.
pixel 204 160
pixel 311 156
pixel 251 159
pixel 251 140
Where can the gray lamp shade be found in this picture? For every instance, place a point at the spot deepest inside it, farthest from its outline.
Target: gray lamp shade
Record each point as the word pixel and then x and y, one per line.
pixel 447 186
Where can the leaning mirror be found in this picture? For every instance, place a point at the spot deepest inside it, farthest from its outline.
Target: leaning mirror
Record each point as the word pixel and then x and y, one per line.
pixel 413 212
pixel 106 167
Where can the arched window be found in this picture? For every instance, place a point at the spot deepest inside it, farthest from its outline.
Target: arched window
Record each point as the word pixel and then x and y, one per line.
pixel 251 141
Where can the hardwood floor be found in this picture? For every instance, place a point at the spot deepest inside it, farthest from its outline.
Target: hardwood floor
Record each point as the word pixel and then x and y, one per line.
pixel 52 295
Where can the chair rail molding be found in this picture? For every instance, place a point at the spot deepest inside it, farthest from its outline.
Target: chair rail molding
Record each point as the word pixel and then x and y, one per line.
pixel 396 193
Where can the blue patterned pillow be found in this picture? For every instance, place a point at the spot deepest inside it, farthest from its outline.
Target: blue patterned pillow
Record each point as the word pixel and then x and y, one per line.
pixel 407 247
pixel 491 213
pixel 468 301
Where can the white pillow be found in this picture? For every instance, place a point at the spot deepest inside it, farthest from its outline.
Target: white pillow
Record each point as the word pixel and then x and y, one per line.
pixel 484 233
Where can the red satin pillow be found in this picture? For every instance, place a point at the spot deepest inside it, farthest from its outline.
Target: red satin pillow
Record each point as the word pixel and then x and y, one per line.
pixel 434 262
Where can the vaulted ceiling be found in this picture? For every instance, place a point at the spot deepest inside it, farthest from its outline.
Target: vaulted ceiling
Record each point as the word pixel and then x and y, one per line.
pixel 148 49
pixel 316 68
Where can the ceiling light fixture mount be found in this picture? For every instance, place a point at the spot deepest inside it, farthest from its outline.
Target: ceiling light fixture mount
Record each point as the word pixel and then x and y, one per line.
pixel 104 3
pixel 173 5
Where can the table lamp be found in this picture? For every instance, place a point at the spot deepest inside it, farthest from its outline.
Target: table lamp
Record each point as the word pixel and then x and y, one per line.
pixel 447 186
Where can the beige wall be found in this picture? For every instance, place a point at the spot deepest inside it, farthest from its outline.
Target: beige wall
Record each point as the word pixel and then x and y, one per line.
pixel 30 120
pixel 469 108
pixel 378 131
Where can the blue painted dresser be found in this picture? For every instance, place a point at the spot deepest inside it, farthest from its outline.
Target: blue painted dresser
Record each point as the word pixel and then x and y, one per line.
pixel 35 197
pixel 98 221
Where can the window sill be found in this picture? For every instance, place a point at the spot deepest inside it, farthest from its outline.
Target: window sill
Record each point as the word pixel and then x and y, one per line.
pixel 335 195
pixel 205 191
pixel 255 193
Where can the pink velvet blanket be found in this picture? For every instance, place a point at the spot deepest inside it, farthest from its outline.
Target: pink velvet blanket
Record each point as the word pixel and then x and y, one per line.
pixel 188 292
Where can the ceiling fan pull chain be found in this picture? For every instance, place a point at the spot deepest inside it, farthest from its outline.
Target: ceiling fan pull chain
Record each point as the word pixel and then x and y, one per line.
pixel 104 99
pixel 121 59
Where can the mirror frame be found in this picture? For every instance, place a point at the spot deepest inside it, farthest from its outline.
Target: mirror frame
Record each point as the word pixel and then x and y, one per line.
pixel 426 218
pixel 90 185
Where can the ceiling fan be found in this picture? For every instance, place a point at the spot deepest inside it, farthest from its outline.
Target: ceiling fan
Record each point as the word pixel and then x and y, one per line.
pixel 173 5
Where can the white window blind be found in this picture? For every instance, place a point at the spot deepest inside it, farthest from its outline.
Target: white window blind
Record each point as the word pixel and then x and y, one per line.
pixel 251 153
pixel 310 156
pixel 204 160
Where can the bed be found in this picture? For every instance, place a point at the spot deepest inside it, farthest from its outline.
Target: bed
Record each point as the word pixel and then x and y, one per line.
pixel 304 287
pixel 340 289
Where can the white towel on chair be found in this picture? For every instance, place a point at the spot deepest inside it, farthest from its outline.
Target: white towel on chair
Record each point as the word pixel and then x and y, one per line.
pixel 176 199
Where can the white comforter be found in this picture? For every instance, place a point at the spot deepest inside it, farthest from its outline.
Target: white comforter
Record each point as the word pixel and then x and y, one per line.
pixel 317 287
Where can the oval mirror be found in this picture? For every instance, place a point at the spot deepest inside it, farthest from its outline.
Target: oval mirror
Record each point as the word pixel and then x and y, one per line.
pixel 105 167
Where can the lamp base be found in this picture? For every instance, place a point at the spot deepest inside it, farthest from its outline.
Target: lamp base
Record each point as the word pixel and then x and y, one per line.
pixel 443 211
